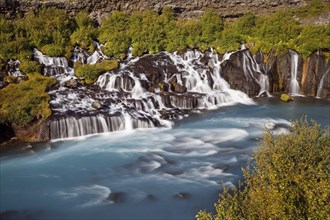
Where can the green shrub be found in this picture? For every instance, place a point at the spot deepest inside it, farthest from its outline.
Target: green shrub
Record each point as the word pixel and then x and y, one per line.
pixel 289 178
pixel 312 9
pixel 212 26
pixel 113 32
pixel 28 66
pixel 246 24
pixel 90 73
pixel 313 38
pixel 23 103
pixel 52 50
pixel 85 34
pixel 47 27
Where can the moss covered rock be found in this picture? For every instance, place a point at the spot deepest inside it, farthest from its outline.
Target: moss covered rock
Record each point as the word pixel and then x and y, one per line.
pixel 285 97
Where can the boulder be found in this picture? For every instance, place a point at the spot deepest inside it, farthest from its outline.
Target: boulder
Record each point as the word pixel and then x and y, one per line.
pixel 97 104
pixel 182 196
pixel 72 83
pixel 234 72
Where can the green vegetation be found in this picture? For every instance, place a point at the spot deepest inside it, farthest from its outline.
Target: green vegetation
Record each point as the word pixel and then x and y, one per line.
pixel 23 103
pixel 85 33
pixel 55 33
pixel 90 73
pixel 288 180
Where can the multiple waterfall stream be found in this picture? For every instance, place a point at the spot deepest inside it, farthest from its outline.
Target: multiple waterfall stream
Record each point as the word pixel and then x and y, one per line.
pixel 153 90
pixel 135 96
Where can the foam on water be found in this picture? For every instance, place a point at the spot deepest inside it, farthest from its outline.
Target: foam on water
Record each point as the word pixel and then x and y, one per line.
pixel 94 194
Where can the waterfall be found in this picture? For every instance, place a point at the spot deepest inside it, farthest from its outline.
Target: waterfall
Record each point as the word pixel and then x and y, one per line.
pixel 14 68
pixel 197 80
pixel 320 87
pixel 294 88
pixel 144 92
pixel 252 70
pixel 68 127
pixel 56 67
pixel 264 85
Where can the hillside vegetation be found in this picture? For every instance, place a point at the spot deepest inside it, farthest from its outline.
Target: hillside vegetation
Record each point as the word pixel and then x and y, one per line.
pixel 27 102
pixel 55 33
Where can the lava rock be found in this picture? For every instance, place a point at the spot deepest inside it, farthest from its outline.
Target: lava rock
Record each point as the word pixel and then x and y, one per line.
pixel 182 196
pixel 116 197
pixel 72 83
pixel 97 104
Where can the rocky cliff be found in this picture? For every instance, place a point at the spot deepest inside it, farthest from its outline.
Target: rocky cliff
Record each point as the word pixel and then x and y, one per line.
pixel 97 8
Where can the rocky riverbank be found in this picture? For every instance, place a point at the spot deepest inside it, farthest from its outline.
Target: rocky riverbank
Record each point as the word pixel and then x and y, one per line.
pixel 152 90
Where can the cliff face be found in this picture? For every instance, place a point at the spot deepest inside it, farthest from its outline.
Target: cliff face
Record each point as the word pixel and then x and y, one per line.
pixel 97 8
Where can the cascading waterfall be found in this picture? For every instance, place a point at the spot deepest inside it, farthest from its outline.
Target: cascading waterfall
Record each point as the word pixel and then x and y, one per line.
pixel 294 88
pixel 56 67
pixel 131 97
pixel 14 68
pixel 252 70
pixel 68 127
pixel 320 87
pixel 197 80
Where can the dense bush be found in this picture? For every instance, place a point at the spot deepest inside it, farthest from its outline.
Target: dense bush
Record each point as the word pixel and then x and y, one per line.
pixel 288 180
pixel 114 33
pixel 21 104
pixel 55 33
pixel 85 33
pixel 90 73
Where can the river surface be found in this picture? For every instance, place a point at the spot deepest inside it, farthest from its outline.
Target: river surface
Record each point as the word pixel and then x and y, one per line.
pixel 144 174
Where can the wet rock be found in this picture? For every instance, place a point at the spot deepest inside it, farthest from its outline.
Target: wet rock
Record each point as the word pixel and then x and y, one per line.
pixel 182 196
pixel 259 57
pixel 210 64
pixel 3 84
pixel 272 72
pixel 237 75
pixel 117 197
pixel 6 133
pixel 174 172
pixel 263 94
pixel 97 104
pixel 72 83
pixel 222 167
pixel 151 198
pixel 175 87
pixel 316 76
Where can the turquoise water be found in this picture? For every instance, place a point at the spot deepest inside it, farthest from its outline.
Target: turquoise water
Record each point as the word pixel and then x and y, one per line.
pixel 144 174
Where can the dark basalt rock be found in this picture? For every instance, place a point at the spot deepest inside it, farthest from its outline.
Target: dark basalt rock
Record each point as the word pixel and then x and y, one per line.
pixel 233 71
pixel 182 196
pixel 174 172
pixel 72 83
pixel 271 71
pixel 151 198
pixel 117 197
pixel 315 69
pixel 6 133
